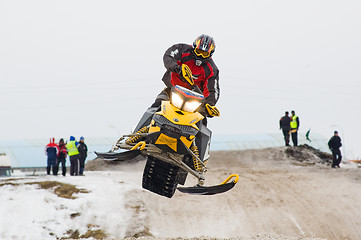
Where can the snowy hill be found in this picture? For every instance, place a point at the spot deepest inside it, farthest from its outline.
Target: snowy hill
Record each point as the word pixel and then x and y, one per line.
pixel 279 196
pixel 31 211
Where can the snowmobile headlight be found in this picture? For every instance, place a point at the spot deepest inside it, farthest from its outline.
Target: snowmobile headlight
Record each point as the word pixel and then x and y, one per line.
pixel 176 100
pixel 191 106
pixel 185 99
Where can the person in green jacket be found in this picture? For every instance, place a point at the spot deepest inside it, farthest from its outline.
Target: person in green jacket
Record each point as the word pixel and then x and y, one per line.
pixel 295 124
pixel 73 152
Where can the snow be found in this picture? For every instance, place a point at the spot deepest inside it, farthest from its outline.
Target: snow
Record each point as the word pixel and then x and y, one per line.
pixel 276 198
pixel 28 212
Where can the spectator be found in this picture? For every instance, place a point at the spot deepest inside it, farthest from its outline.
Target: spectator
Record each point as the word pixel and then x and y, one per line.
pixel 73 152
pixel 295 124
pixel 334 144
pixel 83 153
pixel 285 126
pixel 61 157
pixel 52 151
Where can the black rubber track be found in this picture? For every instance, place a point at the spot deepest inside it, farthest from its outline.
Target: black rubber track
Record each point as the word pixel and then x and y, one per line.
pixel 160 177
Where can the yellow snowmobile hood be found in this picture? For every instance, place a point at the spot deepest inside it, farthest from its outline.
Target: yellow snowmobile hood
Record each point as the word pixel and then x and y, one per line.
pixel 179 117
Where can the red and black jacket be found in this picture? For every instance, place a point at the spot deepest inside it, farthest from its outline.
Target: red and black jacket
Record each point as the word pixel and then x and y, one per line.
pixel 63 151
pixel 205 76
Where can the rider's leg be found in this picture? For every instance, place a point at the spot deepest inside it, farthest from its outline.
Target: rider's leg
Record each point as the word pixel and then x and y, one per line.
pixel 162 96
pixel 148 115
pixel 203 140
pixel 143 124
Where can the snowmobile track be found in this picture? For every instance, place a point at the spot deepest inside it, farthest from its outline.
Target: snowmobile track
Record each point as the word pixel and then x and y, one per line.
pixel 160 177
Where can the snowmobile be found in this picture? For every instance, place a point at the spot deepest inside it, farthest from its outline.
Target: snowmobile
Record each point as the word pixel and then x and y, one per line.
pixel 175 142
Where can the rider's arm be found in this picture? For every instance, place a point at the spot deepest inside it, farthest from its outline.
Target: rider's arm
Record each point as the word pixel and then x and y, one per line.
pixel 170 59
pixel 213 85
pixel 172 56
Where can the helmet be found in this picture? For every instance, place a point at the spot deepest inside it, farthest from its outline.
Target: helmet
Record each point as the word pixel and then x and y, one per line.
pixel 204 46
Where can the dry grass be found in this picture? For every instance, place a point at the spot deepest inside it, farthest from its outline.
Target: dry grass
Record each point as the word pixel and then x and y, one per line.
pixel 8 184
pixel 9 181
pixel 63 190
pixel 145 233
pixel 12 179
pixel 93 232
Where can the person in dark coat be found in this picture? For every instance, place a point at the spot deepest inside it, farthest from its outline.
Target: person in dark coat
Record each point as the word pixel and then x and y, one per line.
pixel 83 153
pixel 198 59
pixel 285 126
pixel 52 151
pixel 334 144
pixel 61 157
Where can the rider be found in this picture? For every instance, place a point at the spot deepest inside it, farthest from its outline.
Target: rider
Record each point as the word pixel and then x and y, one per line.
pixel 205 73
pixel 199 59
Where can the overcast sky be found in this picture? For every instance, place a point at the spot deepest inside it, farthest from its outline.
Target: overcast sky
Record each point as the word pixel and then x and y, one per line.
pixel 78 67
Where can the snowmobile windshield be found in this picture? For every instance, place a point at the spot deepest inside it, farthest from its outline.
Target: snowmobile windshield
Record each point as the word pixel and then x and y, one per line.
pixel 185 99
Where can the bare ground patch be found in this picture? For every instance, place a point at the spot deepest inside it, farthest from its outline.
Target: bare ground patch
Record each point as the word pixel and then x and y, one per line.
pixel 93 232
pixel 62 190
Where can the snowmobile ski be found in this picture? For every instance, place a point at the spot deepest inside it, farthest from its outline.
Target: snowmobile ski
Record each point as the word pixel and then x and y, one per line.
pixel 119 156
pixel 211 190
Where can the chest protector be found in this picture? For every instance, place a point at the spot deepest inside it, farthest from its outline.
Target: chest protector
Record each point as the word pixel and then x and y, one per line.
pixel 201 74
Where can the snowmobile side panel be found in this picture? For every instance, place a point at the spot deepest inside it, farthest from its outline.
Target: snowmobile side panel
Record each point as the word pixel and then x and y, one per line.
pixel 203 141
pixel 119 156
pixel 210 190
pixel 146 118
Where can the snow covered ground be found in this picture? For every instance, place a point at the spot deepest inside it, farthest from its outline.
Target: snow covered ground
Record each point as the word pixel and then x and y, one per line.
pixel 30 212
pixel 279 196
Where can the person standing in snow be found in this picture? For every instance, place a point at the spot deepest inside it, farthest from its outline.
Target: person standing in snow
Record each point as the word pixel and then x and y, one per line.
pixel 295 124
pixel 61 157
pixel 52 151
pixel 285 126
pixel 83 153
pixel 73 152
pixel 334 144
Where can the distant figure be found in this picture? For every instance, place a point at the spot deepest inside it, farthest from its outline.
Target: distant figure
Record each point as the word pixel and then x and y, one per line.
pixel 285 122
pixel 83 153
pixel 334 144
pixel 61 157
pixel 73 152
pixel 295 124
pixel 52 151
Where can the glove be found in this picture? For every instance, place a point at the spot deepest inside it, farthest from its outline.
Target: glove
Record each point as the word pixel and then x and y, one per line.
pixel 212 110
pixel 177 69
pixel 186 75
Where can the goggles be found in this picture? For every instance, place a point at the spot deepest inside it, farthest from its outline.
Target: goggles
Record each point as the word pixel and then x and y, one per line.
pixel 201 53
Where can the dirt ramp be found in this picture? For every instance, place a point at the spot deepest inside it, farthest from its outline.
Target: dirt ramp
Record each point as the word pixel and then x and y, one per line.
pixel 253 237
pixel 274 199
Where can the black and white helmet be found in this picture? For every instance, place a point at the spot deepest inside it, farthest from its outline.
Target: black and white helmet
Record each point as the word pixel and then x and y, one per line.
pixel 204 46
